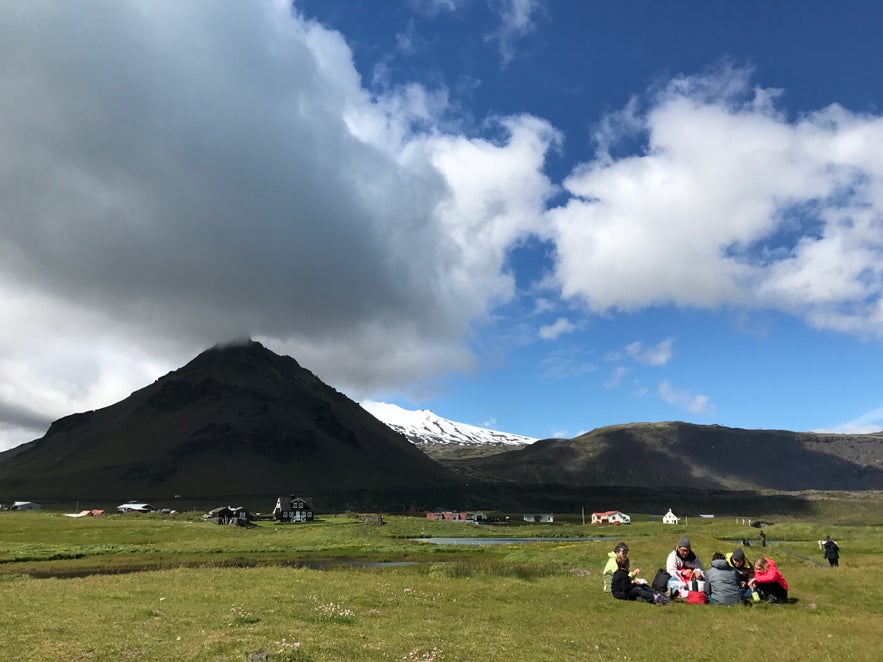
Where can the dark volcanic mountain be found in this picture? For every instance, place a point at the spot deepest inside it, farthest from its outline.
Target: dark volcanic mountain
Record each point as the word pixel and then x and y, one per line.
pixel 690 456
pixel 237 420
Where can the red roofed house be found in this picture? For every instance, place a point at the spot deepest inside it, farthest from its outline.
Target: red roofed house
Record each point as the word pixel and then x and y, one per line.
pixel 611 517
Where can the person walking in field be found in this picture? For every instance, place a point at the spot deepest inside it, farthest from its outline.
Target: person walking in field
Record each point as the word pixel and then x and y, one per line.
pixel 832 552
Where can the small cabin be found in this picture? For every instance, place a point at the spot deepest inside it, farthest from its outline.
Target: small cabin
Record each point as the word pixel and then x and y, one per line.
pixel 293 509
pixel 448 515
pixel 236 515
pixel 670 518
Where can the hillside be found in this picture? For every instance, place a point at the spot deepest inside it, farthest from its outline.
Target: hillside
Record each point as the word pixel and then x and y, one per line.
pixel 236 420
pixel 684 455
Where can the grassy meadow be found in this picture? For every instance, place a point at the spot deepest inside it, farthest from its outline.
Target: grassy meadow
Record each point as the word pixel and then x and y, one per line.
pixel 152 587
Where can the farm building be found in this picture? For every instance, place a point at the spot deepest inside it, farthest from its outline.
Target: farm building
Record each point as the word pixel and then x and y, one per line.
pixel 450 515
pixel 229 515
pixel 611 517
pixel 545 518
pixel 293 509
pixel 25 505
pixel 670 518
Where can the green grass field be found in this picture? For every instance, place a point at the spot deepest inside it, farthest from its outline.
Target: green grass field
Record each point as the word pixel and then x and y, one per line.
pixel 177 588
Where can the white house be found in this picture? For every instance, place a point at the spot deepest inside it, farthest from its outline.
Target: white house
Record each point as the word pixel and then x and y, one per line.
pixel 611 517
pixel 670 518
pixel 619 518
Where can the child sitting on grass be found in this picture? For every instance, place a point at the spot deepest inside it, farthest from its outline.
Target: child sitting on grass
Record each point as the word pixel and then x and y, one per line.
pixel 624 588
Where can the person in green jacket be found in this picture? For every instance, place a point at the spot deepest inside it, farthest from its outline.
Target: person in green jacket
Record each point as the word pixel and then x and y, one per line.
pixel 620 552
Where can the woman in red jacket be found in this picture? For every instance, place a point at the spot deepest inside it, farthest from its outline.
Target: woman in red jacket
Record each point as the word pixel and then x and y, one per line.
pixel 769 582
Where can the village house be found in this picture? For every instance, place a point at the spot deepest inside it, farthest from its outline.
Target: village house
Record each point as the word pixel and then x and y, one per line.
pixel 293 509
pixel 545 518
pixel 449 515
pixel 611 517
pixel 670 518
pixel 229 515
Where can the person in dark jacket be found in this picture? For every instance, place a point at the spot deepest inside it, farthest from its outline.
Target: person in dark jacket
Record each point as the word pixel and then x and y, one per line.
pixel 832 552
pixel 624 587
pixel 722 582
pixel 743 569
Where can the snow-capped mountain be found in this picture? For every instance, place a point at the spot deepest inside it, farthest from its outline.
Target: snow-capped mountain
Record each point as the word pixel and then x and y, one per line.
pixel 422 428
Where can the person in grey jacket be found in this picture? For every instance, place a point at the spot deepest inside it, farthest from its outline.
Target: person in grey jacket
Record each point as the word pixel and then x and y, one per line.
pixel 722 583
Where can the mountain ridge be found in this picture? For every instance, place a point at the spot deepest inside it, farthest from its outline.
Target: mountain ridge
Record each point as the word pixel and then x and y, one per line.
pixel 687 455
pixel 235 419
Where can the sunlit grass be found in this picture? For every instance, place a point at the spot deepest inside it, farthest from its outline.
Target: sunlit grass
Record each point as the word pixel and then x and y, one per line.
pixel 225 593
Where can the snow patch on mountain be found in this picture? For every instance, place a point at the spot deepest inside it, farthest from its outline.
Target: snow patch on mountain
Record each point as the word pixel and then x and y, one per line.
pixel 422 427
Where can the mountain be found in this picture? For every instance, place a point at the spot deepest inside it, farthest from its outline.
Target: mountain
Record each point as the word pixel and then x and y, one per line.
pixel 426 429
pixel 683 455
pixel 237 420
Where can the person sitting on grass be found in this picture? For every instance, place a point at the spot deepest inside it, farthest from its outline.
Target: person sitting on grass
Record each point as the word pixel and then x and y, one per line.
pixel 624 587
pixel 722 582
pixel 744 571
pixel 620 552
pixel 769 582
pixel 679 561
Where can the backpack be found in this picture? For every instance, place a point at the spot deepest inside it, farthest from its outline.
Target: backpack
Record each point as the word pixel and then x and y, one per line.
pixel 696 596
pixel 660 581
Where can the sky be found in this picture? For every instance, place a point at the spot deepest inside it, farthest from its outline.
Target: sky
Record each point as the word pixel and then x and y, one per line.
pixel 539 217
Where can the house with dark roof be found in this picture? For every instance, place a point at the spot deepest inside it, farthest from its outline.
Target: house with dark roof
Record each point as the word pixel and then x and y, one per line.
pixel 293 509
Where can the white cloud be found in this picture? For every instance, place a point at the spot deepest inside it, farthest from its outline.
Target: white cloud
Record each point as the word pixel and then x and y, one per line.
pixel 566 364
pixel 729 203
pixel 616 377
pixel 559 327
pixel 516 22
pixel 868 422
pixel 654 355
pixel 206 171
pixel 694 403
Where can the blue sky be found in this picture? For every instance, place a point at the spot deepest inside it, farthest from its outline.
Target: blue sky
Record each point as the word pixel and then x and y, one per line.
pixel 542 217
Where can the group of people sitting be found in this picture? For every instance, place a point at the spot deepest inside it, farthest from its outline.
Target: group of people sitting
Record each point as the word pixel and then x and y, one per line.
pixel 731 579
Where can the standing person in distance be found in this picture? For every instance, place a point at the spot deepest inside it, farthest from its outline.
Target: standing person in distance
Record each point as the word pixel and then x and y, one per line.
pixel 832 552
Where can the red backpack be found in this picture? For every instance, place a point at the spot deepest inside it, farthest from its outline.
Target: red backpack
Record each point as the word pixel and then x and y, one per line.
pixel 694 595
